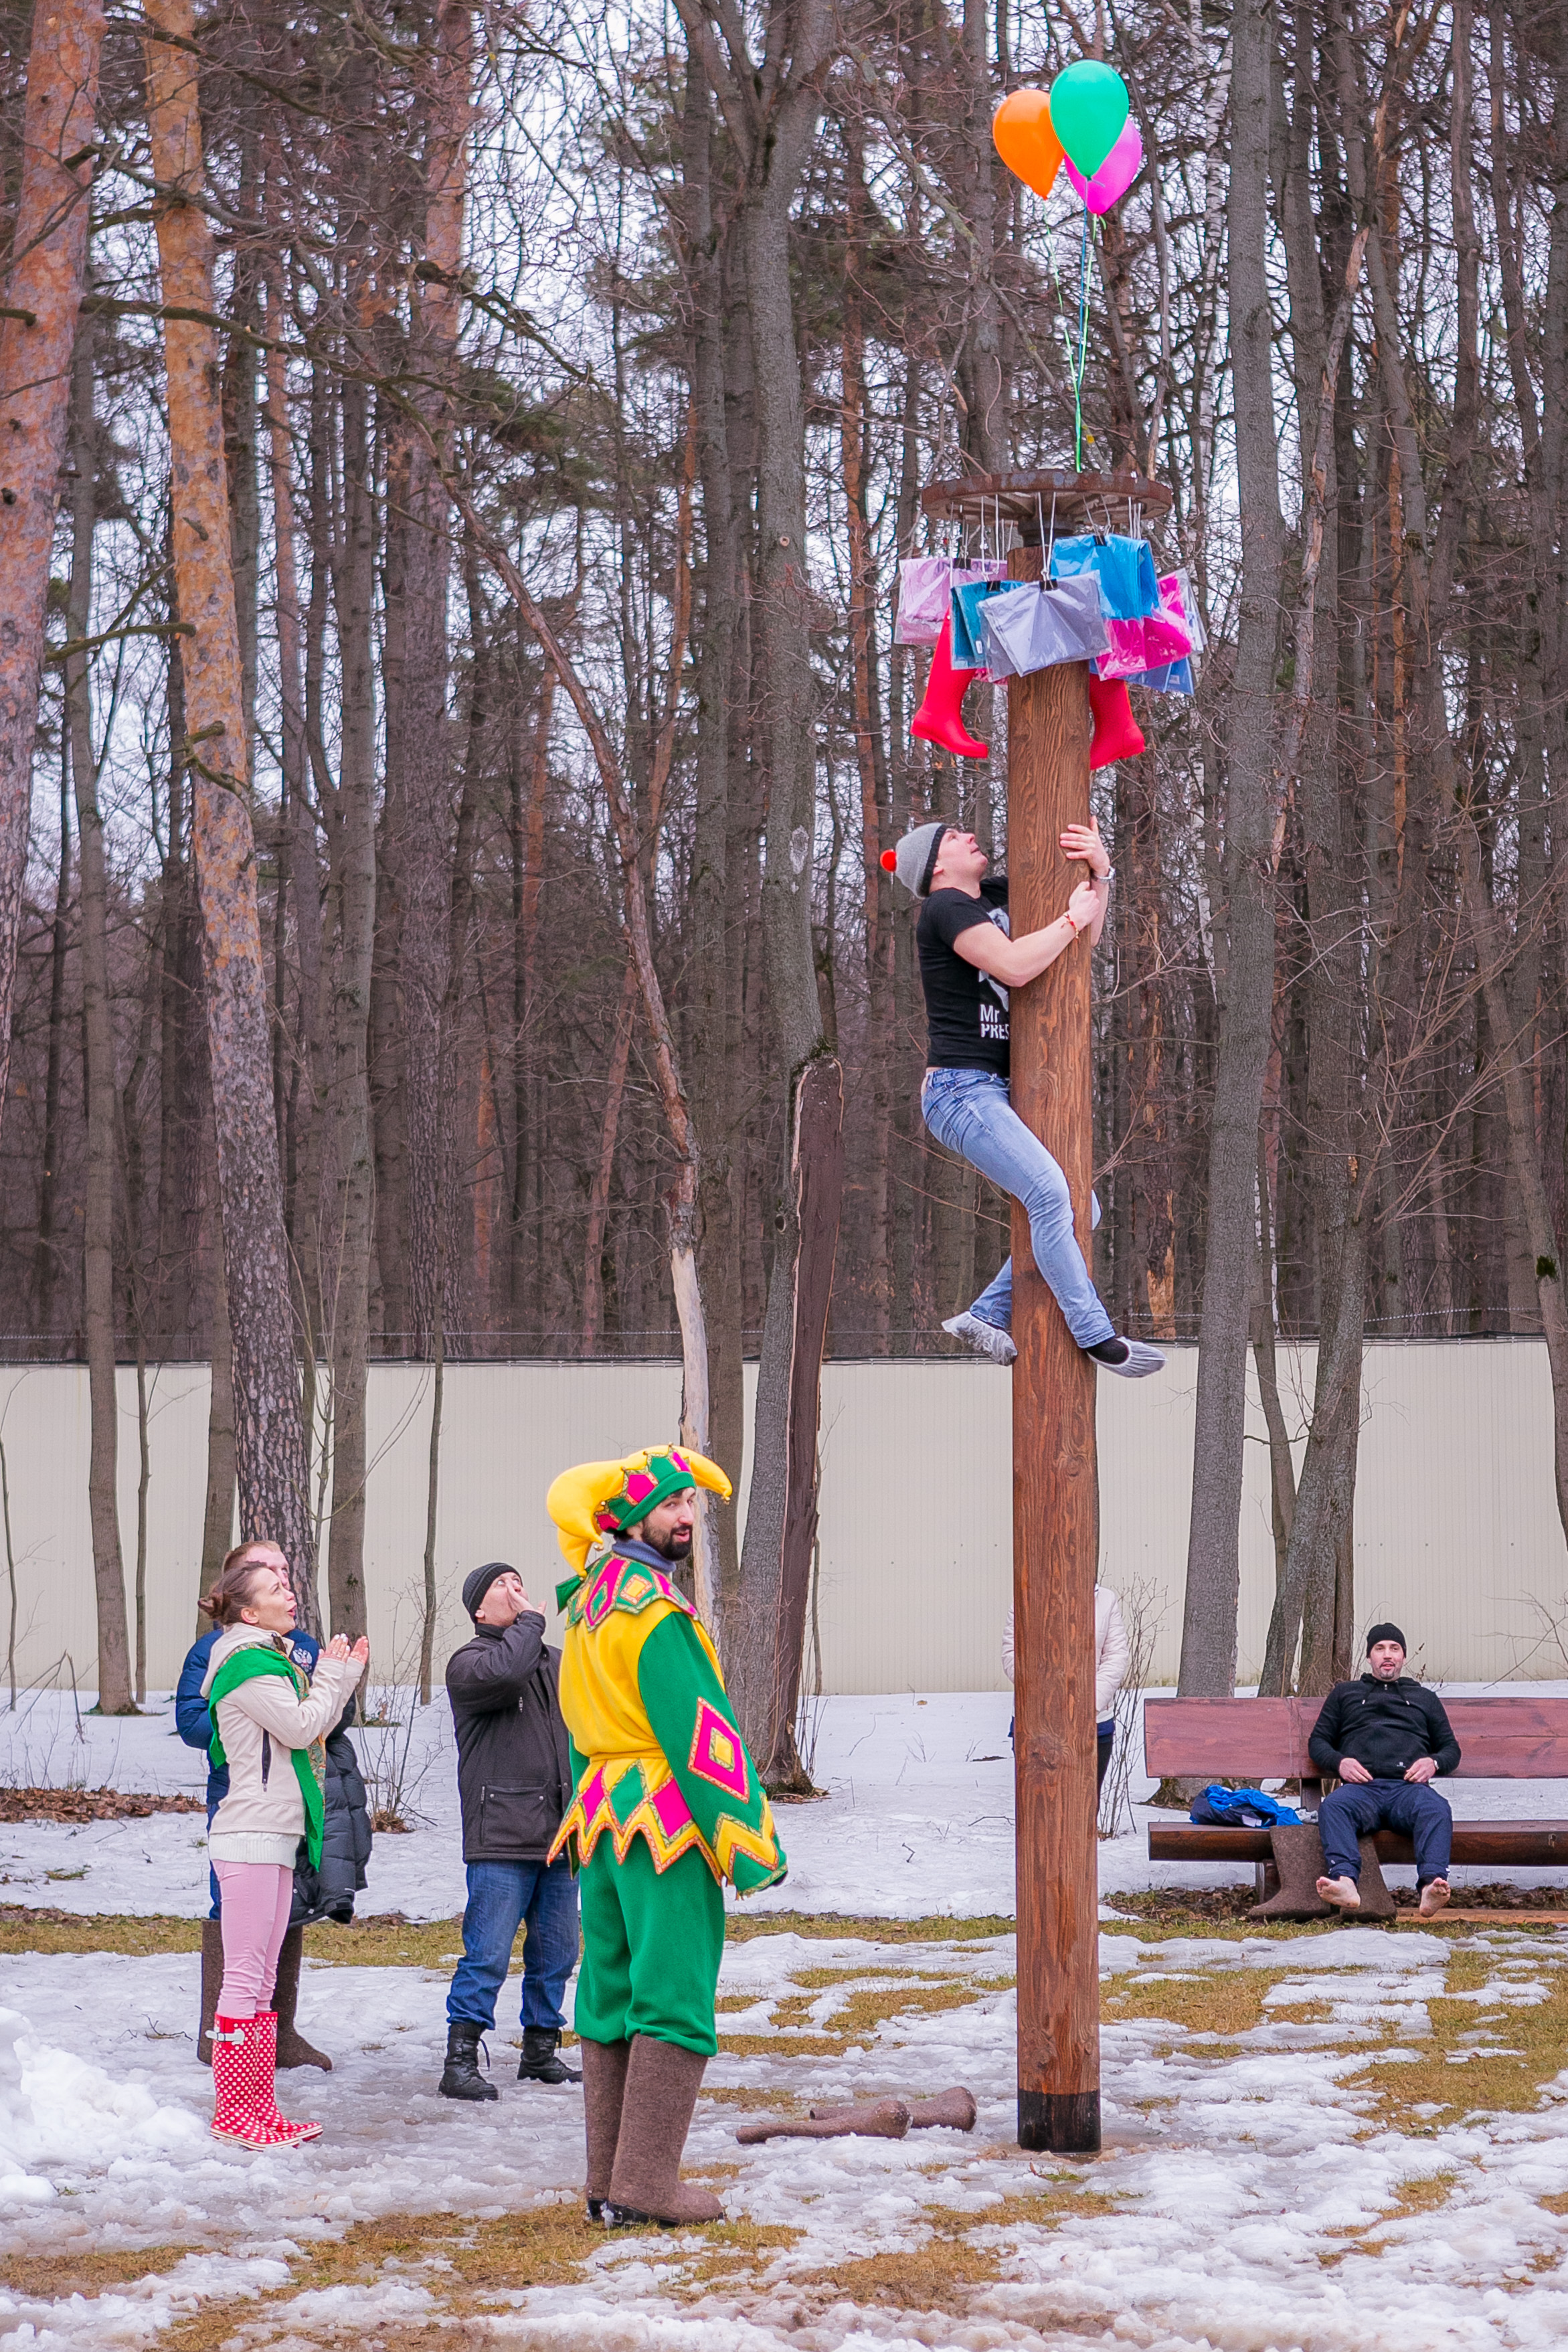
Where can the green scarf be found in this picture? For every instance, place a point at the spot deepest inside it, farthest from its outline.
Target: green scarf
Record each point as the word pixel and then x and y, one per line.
pixel 243 1666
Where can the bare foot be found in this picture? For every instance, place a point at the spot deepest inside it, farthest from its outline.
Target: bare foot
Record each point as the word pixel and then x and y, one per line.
pixel 1434 1896
pixel 1342 1893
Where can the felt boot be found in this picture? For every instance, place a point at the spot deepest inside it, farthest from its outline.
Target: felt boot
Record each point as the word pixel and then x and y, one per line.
pixel 293 2050
pixel 538 2062
pixel 940 717
pixel 461 2078
pixel 603 2088
pixel 264 2083
pixel 1299 1859
pixel 236 2047
pixel 211 1982
pixel 646 2184
pixel 1117 735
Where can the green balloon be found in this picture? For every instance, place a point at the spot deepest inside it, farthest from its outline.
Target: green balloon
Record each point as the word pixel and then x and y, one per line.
pixel 1088 108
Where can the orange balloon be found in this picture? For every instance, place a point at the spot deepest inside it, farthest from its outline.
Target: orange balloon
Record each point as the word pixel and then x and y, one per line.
pixel 1025 140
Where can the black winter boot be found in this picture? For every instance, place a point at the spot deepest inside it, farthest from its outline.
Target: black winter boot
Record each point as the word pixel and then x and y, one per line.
pixel 211 1982
pixel 540 2063
pixel 461 2078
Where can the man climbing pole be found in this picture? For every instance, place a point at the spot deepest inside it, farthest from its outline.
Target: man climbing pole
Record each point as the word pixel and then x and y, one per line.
pixel 667 1805
pixel 969 962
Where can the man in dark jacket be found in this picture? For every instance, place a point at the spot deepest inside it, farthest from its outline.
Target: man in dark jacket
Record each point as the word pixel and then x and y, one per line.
pixel 325 1894
pixel 1386 1739
pixel 514 1782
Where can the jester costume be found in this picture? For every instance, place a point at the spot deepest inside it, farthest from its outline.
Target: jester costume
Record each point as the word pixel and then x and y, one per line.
pixel 666 1806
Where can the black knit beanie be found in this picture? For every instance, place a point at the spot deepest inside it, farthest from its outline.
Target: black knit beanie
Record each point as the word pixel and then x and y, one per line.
pixel 1387 1633
pixel 477 1583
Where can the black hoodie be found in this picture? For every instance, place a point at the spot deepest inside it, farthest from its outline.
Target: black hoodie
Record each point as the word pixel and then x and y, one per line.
pixel 514 1768
pixel 1385 1726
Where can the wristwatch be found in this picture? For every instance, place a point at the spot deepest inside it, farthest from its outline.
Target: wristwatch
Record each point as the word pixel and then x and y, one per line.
pixel 1107 877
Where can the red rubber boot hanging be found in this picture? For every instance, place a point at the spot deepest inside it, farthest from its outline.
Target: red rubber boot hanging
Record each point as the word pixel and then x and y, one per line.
pixel 940 717
pixel 1117 735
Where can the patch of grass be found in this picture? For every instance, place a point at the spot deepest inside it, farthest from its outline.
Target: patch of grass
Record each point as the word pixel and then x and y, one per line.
pixel 1226 2005
pixel 732 2247
pixel 22 1930
pixel 1533 2034
pixel 940 2275
pixel 49 2277
pixel 780 2045
pixel 742 1926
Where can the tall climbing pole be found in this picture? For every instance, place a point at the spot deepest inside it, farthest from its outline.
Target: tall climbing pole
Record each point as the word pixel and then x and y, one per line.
pixel 1056 1511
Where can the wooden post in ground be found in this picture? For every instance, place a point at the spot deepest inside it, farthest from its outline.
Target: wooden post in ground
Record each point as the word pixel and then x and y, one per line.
pixel 1056 1534
pixel 1056 1518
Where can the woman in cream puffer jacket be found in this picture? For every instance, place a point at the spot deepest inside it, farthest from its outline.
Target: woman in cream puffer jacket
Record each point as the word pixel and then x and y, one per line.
pixel 1113 1657
pixel 269 1730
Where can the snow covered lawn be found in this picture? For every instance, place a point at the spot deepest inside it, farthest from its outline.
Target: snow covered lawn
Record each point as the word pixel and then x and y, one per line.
pixel 918 1821
pixel 1342 2139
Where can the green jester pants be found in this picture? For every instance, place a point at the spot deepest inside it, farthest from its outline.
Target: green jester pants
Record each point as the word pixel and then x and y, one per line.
pixel 652 1943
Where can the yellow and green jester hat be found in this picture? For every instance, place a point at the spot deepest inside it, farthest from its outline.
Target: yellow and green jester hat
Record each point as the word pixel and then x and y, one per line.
pixel 601 1499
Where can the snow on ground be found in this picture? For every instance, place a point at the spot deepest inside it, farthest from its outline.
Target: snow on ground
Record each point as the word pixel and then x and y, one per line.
pixel 1248 2199
pixel 919 1820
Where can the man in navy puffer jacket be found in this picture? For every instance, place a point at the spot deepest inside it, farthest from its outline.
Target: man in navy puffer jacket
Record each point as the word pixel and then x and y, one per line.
pixel 325 1894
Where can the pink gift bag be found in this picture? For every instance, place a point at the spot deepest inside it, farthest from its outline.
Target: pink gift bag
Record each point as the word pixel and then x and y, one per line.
pixel 924 586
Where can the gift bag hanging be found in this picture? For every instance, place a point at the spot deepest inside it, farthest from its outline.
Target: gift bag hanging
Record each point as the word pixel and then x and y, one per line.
pixel 1009 619
pixel 1124 569
pixel 924 588
pixel 1069 625
pixel 1177 591
pixel 969 632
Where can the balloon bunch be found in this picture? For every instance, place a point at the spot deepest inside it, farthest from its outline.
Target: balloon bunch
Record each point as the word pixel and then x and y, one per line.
pixel 1084 122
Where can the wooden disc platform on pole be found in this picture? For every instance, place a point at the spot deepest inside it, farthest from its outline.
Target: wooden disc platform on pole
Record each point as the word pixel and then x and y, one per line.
pixel 1056 1534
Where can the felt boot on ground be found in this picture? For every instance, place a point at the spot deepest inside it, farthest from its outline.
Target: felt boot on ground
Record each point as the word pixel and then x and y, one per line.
pixel 646 2184
pixel 461 2078
pixel 603 2089
pixel 538 2062
pixel 293 2050
pixel 264 2087
pixel 940 717
pixel 1299 1860
pixel 211 1982
pixel 236 2046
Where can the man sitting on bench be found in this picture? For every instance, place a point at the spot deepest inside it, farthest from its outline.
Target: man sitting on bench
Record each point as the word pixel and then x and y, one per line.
pixel 1387 1739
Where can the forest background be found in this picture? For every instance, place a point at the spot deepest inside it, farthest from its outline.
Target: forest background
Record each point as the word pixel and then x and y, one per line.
pixel 440 901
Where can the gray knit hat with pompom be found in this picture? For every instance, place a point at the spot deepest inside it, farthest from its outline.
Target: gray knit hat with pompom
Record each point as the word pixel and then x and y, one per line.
pixel 914 860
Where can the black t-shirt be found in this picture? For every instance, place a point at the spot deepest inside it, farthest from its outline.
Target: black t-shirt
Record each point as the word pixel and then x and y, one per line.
pixel 968 1012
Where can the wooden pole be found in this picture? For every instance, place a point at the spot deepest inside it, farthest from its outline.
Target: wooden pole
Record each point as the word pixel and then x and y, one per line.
pixel 1055 1486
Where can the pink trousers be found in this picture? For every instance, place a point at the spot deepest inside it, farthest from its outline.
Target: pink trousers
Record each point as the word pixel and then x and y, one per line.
pixel 255 1900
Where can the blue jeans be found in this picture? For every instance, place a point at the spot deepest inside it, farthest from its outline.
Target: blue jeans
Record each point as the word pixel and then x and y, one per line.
pixel 501 1894
pixel 1356 1808
pixel 969 1112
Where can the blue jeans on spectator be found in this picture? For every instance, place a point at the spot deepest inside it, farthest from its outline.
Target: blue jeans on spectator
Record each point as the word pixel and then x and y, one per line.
pixel 970 1112
pixel 501 1896
pixel 1356 1808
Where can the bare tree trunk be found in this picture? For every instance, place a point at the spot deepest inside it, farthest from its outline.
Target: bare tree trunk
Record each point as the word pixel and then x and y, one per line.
pixel 43 293
pixel 45 1256
pixel 1213 1565
pixel 271 1455
pixel 355 882
pixel 218 1516
pixel 99 1087
pixel 599 1195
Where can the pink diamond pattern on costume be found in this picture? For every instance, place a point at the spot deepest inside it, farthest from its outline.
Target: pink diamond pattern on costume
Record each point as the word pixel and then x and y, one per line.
pixel 717 1754
pixel 601 1599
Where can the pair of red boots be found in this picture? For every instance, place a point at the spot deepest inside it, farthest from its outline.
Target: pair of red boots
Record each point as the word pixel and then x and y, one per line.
pixel 940 717
pixel 244 2070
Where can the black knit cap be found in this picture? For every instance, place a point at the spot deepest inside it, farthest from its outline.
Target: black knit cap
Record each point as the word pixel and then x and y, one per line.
pixel 477 1583
pixel 1387 1633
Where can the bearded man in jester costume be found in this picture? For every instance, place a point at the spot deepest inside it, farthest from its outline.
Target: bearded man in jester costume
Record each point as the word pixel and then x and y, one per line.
pixel 667 1805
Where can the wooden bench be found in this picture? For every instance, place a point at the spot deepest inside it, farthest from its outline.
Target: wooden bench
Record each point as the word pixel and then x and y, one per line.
pixel 1258 1739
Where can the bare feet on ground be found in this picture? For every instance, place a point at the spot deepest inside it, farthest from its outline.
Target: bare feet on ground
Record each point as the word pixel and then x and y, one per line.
pixel 1434 1895
pixel 1342 1893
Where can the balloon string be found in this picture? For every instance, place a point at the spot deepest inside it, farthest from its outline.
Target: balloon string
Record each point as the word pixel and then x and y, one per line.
pixel 1082 348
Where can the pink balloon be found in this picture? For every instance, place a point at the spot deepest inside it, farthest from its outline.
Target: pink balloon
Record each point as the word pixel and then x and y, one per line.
pixel 1116 174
